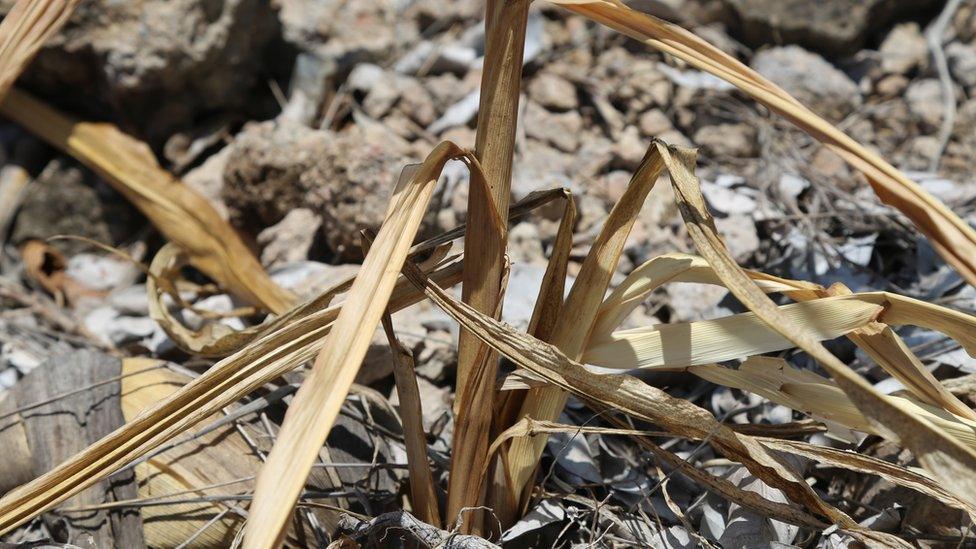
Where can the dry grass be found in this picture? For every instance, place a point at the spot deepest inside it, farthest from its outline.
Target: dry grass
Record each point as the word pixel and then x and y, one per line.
pixel 500 436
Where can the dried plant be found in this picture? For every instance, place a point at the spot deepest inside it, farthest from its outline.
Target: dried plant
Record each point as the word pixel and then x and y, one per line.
pixel 500 434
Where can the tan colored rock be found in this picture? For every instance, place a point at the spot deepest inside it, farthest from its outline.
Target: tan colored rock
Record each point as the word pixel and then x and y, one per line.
pixel 553 92
pixel 903 49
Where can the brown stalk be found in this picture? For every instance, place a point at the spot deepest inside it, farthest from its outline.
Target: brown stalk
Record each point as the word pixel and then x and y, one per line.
pixel 545 317
pixel 505 23
pixel 423 496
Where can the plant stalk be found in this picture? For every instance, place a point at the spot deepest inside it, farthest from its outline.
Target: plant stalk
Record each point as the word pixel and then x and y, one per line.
pixel 505 22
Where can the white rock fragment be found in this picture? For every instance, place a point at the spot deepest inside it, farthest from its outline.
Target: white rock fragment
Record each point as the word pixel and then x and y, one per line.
pixel 100 272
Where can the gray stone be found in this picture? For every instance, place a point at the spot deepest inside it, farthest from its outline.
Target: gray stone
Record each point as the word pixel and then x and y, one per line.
pixel 728 140
pixel 344 177
pixel 924 99
pixel 291 238
pixel 809 78
pixel 903 49
pixel 65 199
pixel 349 33
pixel 831 27
pixel 430 58
pixel 157 64
pixel 962 62
pixel 654 122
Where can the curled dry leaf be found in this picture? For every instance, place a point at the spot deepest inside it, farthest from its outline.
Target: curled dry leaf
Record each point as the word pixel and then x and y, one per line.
pixel 220 340
pixel 45 265
pixel 213 338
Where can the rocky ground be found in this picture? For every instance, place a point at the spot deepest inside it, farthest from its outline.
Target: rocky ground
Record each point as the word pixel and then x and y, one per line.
pixel 294 118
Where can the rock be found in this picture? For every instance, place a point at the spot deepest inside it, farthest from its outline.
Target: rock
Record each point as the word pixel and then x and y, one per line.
pixel 64 199
pixel 310 278
pixel 364 77
pixel 553 92
pixel 892 85
pixel 458 114
pixel 691 302
pixel 524 244
pixel 903 49
pixel 653 123
pixel 924 99
pixel 208 180
pixel 693 80
pixel 447 89
pixel 728 140
pixel 157 64
pixel 922 150
pixel 309 87
pixel 112 327
pixel 790 186
pixel 349 34
pixel 344 177
pixel 739 233
pixel 541 167
pixel 812 80
pixel 403 93
pixel 561 130
pixel 101 272
pixel 378 362
pixel 436 401
pixel 629 149
pixel 291 238
pixel 716 35
pixel 830 165
pixel 524 281
pixel 430 58
pixel 728 199
pixel 962 62
pixel 831 27
pixel 675 137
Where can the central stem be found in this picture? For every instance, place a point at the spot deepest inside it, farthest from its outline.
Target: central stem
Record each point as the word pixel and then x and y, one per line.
pixel 484 244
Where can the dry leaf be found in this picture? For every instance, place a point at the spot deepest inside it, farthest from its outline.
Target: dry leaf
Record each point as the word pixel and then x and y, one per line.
pixel 946 458
pixel 23 31
pixel 317 403
pixel 183 216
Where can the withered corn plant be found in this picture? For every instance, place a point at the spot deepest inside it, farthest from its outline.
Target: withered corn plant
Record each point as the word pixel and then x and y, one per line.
pixel 502 426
